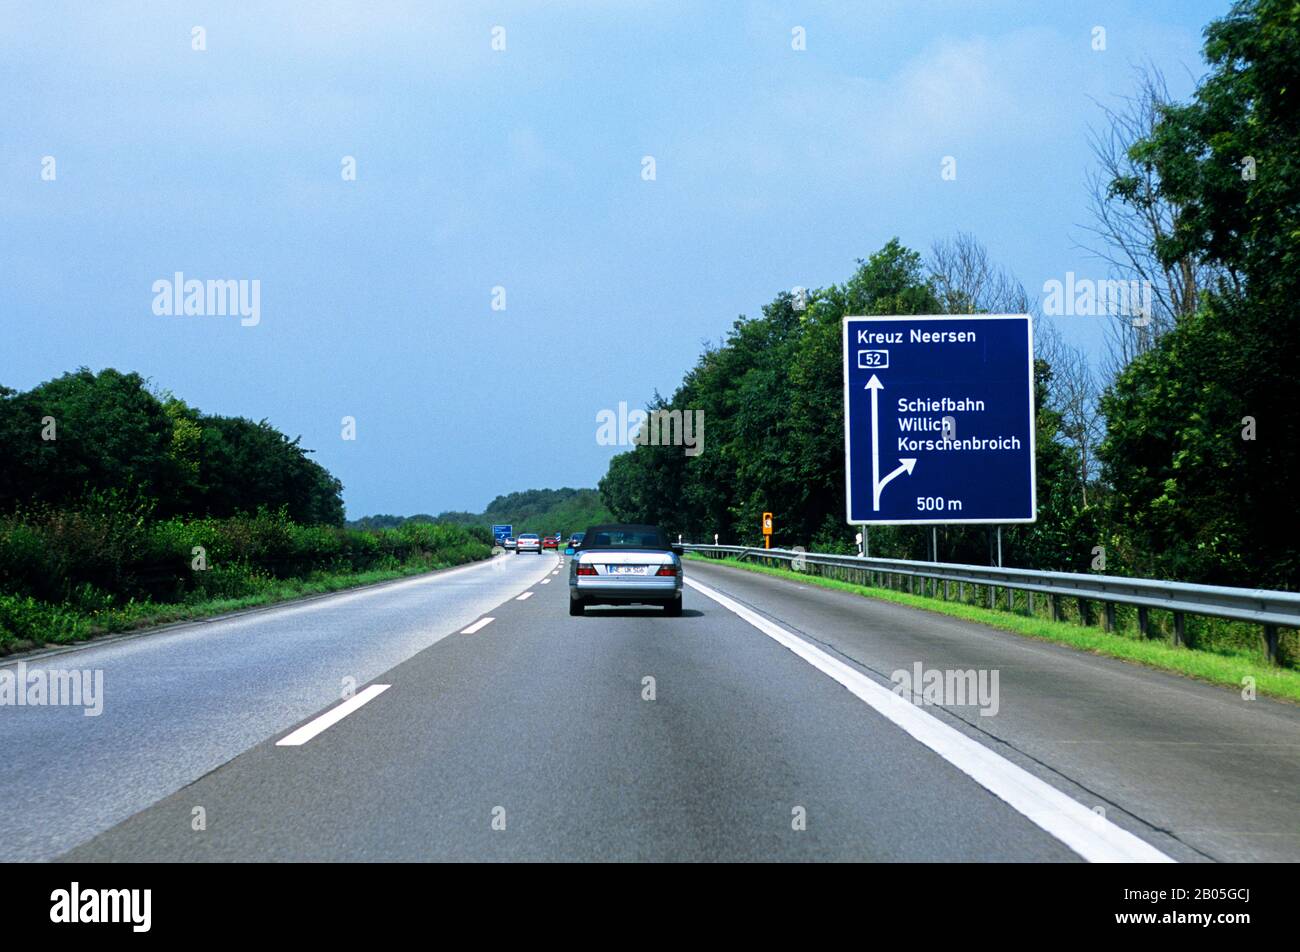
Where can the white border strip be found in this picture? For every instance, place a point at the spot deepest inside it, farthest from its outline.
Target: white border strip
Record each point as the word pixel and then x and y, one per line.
pixel 331 717
pixel 1089 834
pixel 848 435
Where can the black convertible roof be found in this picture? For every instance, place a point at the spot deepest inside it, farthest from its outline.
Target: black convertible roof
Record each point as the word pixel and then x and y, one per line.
pixel 593 532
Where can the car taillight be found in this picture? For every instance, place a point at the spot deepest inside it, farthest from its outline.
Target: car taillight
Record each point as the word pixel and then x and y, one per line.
pixel 586 570
pixel 667 570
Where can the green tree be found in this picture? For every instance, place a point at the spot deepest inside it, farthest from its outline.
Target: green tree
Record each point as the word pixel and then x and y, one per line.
pixel 246 465
pixel 114 438
pixel 109 434
pixel 1193 496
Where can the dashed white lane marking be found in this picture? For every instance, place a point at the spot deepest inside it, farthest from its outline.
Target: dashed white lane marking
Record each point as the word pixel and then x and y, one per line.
pixel 1089 834
pixel 481 623
pixel 546 581
pixel 524 597
pixel 331 717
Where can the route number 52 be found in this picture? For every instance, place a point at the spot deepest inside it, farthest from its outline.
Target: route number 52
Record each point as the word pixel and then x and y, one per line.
pixel 873 360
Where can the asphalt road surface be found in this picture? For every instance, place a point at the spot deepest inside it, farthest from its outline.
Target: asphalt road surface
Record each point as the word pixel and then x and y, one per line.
pixel 760 725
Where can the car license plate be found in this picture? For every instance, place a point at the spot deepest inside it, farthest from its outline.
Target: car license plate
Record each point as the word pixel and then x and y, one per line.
pixel 627 569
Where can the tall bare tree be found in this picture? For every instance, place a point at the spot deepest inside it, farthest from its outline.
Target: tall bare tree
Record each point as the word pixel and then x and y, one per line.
pixel 1074 392
pixel 967 282
pixel 1131 218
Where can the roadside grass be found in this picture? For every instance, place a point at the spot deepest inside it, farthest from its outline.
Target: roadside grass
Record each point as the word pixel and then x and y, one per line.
pixel 1224 665
pixel 26 624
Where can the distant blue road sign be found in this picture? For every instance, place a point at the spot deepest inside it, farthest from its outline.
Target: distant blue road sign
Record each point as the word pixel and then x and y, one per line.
pixel 501 532
pixel 939 419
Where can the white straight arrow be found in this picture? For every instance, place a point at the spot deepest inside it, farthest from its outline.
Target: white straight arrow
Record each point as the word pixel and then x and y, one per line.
pixel 877 484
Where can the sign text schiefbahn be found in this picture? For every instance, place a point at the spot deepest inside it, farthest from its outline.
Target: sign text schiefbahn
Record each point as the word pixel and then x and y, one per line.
pixel 939 419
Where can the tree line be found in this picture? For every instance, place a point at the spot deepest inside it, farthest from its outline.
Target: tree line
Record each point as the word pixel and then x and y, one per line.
pixel 1175 459
pixel 87 434
pixel 543 511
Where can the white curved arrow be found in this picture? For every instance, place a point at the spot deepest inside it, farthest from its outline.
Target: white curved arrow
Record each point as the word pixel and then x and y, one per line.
pixel 877 484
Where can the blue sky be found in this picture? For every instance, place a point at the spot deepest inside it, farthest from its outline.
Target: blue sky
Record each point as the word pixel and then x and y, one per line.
pixel 522 169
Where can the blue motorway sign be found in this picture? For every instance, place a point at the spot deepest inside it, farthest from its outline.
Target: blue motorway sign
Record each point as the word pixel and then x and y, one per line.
pixel 501 532
pixel 939 419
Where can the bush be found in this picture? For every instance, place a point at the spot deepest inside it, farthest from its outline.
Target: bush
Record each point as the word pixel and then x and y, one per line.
pixel 24 619
pixel 108 565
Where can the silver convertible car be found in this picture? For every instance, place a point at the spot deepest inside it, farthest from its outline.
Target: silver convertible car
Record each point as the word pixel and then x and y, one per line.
pixel 625 565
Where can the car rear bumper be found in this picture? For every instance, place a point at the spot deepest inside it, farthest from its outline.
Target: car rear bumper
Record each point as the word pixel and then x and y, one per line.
pixel 613 591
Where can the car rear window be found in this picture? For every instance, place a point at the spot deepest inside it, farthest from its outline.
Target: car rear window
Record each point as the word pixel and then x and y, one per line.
pixel 529 535
pixel 624 539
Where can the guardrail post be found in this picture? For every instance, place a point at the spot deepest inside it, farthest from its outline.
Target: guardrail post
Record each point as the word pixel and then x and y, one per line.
pixel 1011 600
pixel 1110 616
pixel 1029 604
pixel 993 596
pixel 961 591
pixel 1144 621
pixel 945 589
pixel 1178 628
pixel 911 585
pixel 1055 602
pixel 1270 643
pixel 1085 612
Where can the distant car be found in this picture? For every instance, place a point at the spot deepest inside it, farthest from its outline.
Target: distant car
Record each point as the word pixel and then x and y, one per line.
pixel 625 564
pixel 508 542
pixel 529 542
pixel 550 542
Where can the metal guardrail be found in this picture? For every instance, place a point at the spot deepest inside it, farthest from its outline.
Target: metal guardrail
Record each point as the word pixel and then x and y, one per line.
pixel 1271 609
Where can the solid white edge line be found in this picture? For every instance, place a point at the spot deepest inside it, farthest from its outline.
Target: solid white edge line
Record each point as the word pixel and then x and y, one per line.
pixel 481 623
pixel 1089 834
pixel 524 596
pixel 331 717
